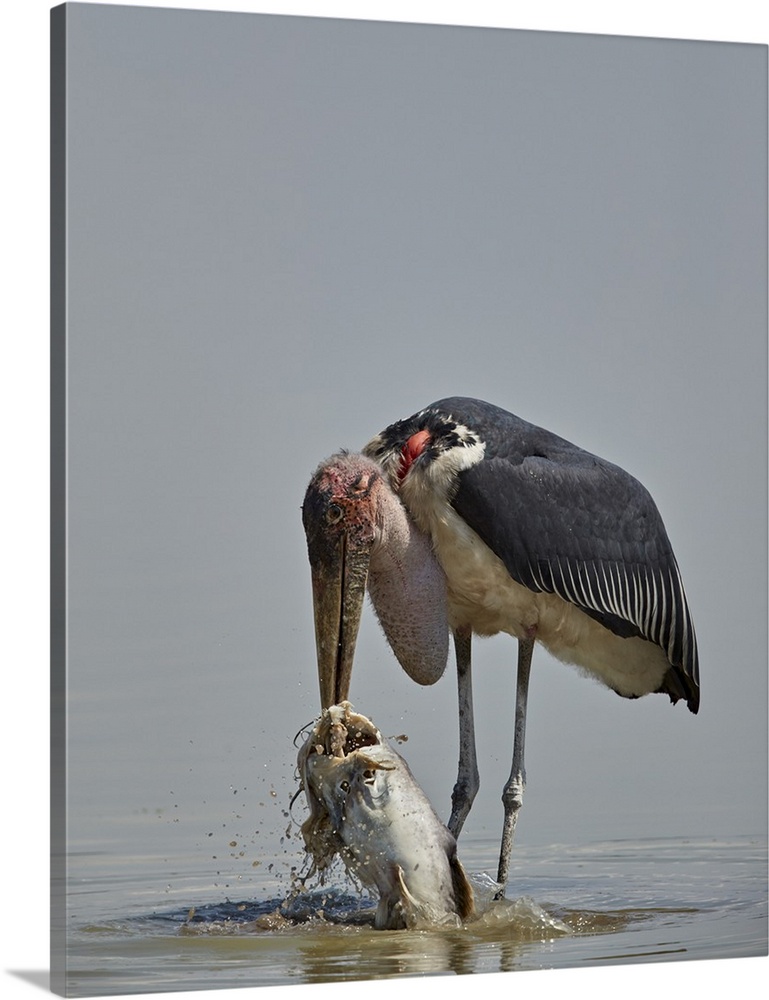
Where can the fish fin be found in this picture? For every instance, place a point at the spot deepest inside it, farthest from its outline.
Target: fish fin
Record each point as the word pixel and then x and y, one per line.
pixel 463 891
pixel 404 888
pixel 407 906
pixel 396 910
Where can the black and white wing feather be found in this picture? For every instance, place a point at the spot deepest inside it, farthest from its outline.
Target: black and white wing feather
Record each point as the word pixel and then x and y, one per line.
pixel 566 522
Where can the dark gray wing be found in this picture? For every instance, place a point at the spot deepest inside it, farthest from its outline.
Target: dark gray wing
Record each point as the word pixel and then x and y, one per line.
pixel 566 522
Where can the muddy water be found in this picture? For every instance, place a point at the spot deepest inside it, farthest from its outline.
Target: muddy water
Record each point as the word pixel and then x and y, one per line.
pixel 149 924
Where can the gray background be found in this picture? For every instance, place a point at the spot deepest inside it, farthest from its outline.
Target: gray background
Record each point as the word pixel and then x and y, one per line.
pixel 284 234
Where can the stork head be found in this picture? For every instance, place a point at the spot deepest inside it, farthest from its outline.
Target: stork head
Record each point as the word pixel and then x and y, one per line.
pixel 339 516
pixel 359 534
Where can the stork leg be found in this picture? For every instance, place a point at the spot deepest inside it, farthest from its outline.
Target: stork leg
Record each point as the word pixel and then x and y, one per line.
pixel 512 794
pixel 468 780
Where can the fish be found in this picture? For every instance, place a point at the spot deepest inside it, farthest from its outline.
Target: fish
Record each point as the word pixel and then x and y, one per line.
pixel 366 807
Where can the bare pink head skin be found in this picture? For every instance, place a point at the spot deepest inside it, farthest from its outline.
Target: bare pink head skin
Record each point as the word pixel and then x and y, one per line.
pixel 359 535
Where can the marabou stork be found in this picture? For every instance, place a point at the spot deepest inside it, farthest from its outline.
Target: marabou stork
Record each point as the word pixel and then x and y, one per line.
pixel 466 518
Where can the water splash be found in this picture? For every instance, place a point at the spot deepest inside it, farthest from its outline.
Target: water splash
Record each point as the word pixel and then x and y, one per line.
pixel 524 916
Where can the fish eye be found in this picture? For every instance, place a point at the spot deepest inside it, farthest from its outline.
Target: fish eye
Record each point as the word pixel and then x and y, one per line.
pixel 344 785
pixel 334 513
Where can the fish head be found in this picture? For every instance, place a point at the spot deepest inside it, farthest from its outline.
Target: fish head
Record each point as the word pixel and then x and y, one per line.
pixel 353 789
pixel 327 768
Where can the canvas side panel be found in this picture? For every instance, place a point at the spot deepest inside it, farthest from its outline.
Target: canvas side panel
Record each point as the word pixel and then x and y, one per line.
pixel 58 42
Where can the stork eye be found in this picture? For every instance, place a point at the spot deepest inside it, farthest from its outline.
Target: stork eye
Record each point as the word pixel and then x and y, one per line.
pixel 334 513
pixel 345 786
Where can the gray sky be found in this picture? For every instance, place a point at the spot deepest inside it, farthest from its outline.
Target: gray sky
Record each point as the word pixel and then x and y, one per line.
pixel 285 234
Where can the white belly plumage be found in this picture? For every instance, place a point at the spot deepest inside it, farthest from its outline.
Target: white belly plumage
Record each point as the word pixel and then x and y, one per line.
pixel 484 597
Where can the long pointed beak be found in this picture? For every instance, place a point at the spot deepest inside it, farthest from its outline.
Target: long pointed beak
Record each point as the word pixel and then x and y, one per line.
pixel 338 589
pixel 339 576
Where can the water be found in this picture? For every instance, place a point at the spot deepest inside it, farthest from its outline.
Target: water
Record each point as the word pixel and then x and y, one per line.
pixel 142 924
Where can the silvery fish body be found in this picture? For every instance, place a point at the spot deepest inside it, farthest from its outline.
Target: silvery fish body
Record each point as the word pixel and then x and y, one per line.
pixel 366 806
